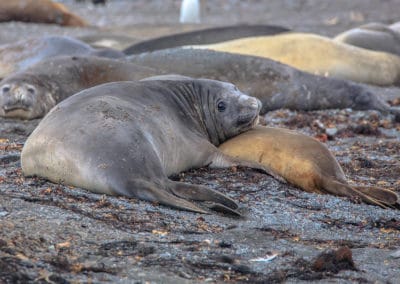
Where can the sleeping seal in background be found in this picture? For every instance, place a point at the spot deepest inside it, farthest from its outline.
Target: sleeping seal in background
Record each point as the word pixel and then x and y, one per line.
pixel 276 85
pixel 39 11
pixel 373 36
pixel 22 54
pixel 302 161
pixel 205 36
pixel 31 93
pixel 126 138
pixel 319 55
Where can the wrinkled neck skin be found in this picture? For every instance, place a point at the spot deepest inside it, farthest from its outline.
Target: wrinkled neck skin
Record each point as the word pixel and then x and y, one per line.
pixel 198 103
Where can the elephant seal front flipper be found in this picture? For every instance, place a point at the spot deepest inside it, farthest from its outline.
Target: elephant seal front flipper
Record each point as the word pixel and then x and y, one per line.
pixel 127 138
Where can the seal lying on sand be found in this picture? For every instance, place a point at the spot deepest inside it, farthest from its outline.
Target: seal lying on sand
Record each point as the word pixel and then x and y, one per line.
pixel 373 36
pixel 33 92
pixel 319 55
pixel 303 162
pixel 205 36
pixel 126 138
pixel 20 55
pixel 39 11
pixel 275 84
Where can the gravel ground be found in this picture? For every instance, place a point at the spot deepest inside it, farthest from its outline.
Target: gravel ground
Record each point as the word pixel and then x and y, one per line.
pixel 56 234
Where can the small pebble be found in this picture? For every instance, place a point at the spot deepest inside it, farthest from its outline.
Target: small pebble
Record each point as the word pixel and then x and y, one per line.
pixel 331 131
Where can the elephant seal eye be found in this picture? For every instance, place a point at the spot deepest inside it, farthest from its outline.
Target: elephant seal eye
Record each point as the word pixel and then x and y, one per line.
pixel 221 106
pixel 5 89
pixel 31 90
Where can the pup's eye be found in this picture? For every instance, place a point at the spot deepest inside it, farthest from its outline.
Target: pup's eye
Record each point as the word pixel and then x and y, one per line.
pixel 5 89
pixel 221 106
pixel 31 90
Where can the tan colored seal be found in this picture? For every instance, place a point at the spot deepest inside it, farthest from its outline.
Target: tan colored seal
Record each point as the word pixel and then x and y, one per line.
pixel 39 11
pixel 319 55
pixel 302 161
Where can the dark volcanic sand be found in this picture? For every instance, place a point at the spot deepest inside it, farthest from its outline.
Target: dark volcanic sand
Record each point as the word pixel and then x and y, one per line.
pixel 54 234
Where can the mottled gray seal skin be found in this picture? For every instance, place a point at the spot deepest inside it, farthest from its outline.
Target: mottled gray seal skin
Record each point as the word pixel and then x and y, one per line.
pixel 276 85
pixel 31 93
pixel 205 36
pixel 126 138
pixel 373 36
pixel 20 55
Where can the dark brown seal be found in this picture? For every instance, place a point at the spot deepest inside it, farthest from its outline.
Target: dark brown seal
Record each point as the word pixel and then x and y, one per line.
pixel 33 92
pixel 126 138
pixel 205 36
pixel 39 11
pixel 302 161
pixel 20 55
pixel 276 85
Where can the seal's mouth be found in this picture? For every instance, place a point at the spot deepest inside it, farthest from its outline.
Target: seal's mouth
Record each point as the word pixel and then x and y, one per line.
pixel 13 108
pixel 247 120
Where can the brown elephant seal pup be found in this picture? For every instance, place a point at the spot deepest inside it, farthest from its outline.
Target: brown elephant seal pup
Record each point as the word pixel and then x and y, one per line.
pixel 276 85
pixel 20 55
pixel 319 55
pixel 126 138
pixel 31 93
pixel 205 36
pixel 302 161
pixel 373 36
pixel 39 11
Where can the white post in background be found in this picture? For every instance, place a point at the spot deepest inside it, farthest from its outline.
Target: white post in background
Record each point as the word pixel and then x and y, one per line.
pixel 190 11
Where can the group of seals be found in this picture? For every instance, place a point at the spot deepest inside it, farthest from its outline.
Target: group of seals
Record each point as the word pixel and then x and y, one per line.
pixel 126 138
pixel 20 55
pixel 33 92
pixel 276 85
pixel 302 161
pixel 39 11
pixel 143 132
pixel 374 36
pixel 204 36
pixel 319 55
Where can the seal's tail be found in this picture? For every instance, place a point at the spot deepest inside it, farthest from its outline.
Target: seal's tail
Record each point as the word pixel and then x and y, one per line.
pixel 370 195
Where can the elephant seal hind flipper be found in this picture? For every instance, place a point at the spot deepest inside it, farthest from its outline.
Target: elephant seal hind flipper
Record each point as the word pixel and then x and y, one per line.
pixel 141 133
pixel 304 162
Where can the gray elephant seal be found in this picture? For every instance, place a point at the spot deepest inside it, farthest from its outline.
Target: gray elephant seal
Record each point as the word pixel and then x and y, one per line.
pixel 20 55
pixel 32 93
pixel 126 138
pixel 302 161
pixel 373 36
pixel 205 36
pixel 276 85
